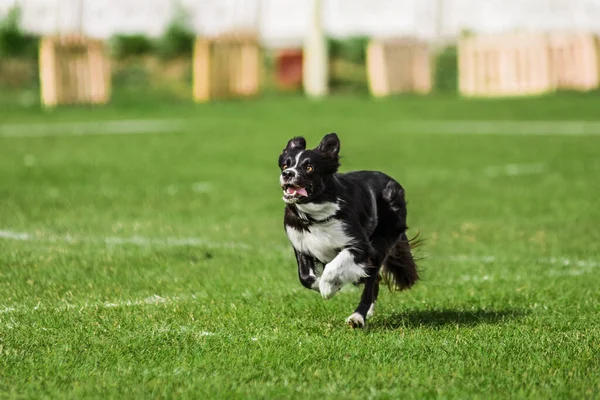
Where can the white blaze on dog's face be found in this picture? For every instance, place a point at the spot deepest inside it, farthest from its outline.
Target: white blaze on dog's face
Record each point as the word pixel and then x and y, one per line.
pixel 303 171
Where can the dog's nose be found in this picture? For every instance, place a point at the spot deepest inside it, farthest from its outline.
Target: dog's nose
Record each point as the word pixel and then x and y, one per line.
pixel 287 174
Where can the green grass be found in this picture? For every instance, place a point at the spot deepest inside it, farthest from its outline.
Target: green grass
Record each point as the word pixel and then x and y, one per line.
pixel 508 307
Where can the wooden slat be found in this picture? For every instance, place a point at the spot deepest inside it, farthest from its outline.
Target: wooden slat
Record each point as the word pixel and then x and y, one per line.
pixel 250 72
pixel 400 65
pixel 202 70
pixel 73 70
pixel 226 66
pixel 574 61
pixel 377 69
pixel 527 64
pixel 47 64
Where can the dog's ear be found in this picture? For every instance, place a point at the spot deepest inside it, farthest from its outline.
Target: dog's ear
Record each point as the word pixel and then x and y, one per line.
pixel 329 146
pixel 297 142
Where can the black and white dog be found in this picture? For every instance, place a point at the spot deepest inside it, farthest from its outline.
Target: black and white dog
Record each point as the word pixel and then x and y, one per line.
pixel 344 227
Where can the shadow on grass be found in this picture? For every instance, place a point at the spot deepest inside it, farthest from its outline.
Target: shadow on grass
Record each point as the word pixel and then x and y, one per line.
pixel 441 318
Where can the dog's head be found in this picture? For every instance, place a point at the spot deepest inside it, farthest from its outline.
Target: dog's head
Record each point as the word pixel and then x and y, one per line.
pixel 304 172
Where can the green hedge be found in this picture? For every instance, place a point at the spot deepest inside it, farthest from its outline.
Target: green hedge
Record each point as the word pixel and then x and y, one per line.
pixel 353 49
pixel 446 70
pixel 122 46
pixel 176 41
pixel 14 42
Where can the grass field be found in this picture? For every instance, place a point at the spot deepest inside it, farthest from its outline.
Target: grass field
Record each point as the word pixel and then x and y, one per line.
pixel 155 264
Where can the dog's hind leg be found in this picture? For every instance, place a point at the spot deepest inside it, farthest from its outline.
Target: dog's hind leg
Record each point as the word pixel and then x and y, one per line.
pixel 399 267
pixel 384 241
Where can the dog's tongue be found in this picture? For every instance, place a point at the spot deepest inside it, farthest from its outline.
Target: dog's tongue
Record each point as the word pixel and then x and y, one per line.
pixel 301 191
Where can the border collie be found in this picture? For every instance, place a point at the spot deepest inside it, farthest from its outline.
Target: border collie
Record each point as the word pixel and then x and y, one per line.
pixel 344 228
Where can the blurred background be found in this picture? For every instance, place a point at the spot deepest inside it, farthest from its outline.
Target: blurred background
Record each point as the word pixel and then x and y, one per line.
pixel 147 47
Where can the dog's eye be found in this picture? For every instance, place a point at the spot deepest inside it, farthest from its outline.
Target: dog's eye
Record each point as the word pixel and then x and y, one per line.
pixel 284 166
pixel 310 168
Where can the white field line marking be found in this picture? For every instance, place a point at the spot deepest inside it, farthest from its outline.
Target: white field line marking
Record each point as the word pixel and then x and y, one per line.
pixel 197 187
pixel 563 261
pixel 120 240
pixel 146 126
pixel 575 267
pixel 14 235
pixel 201 187
pixel 172 189
pixel 515 170
pixel 199 242
pixel 584 266
pixel 148 301
pixel 427 175
pixel 120 127
pixel 567 128
pixel 565 266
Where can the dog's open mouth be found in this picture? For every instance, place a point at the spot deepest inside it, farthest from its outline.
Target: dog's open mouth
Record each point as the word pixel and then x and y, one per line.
pixel 294 191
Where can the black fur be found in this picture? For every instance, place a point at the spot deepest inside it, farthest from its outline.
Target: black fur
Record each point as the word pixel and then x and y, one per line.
pixel 370 206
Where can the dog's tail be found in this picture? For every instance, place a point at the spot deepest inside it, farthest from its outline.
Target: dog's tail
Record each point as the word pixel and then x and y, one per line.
pixel 399 270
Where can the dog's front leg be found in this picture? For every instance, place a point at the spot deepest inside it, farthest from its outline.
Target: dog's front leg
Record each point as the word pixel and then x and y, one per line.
pixel 347 267
pixel 306 271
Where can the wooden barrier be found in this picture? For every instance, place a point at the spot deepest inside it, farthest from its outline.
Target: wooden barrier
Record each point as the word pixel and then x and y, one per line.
pixel 527 64
pixel 574 61
pixel 73 70
pixel 505 65
pixel 398 66
pixel 225 67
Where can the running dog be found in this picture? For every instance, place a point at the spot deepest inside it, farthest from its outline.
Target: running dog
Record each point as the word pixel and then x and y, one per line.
pixel 344 228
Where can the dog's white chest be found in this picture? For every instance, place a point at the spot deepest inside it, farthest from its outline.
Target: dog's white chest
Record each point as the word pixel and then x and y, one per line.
pixel 324 241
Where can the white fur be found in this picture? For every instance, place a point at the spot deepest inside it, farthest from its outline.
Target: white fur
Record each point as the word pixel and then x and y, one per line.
pixel 315 285
pixel 322 241
pixel 318 211
pixel 316 273
pixel 356 320
pixel 295 171
pixel 293 166
pixel 340 271
pixel 282 181
pixel 371 310
pixel 298 158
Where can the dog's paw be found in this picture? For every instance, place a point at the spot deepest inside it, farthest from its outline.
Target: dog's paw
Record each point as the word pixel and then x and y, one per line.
pixel 355 321
pixel 371 310
pixel 315 285
pixel 329 288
